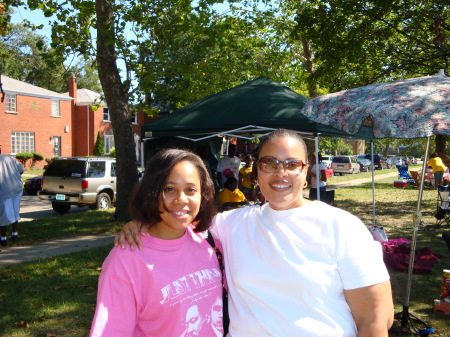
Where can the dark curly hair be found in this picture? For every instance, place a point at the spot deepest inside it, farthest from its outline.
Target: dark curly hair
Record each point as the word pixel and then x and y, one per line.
pixel 145 200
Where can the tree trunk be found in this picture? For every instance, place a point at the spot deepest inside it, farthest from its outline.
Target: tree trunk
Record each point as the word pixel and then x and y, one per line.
pixel 309 66
pixel 441 140
pixel 117 100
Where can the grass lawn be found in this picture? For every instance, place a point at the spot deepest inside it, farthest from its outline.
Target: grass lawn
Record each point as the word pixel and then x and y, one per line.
pixel 56 296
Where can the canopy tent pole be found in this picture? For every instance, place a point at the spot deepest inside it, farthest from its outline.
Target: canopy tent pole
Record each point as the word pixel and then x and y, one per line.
pixel 316 149
pixel 417 219
pixel 373 184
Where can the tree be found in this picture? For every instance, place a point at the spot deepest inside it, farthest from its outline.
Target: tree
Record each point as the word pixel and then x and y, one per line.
pixel 357 43
pixel 27 57
pixel 165 47
pixel 99 147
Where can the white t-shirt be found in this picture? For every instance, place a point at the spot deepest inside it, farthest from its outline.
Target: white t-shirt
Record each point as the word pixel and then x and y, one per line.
pixel 287 270
pixel 313 179
pixel 234 164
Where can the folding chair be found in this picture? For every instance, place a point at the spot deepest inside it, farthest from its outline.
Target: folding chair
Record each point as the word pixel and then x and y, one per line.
pixel 403 173
pixel 443 205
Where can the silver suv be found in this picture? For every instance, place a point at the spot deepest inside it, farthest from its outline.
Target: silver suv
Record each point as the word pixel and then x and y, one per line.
pixel 344 164
pixel 80 181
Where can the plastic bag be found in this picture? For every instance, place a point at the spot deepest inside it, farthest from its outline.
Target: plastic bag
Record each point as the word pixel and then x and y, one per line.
pixel 378 233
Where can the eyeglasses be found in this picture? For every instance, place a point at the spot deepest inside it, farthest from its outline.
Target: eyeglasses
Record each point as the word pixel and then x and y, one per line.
pixel 270 164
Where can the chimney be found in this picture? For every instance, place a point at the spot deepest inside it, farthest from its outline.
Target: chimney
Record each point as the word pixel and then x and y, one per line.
pixel 73 88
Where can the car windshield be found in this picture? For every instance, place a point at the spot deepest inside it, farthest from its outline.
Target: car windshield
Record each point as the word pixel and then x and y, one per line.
pixel 66 168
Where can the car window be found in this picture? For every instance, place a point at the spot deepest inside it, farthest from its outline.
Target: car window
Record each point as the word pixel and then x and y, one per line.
pixel 113 169
pixel 96 169
pixel 66 168
pixel 341 160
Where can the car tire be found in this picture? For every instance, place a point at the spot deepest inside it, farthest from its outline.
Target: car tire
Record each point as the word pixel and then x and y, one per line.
pixel 103 202
pixel 60 207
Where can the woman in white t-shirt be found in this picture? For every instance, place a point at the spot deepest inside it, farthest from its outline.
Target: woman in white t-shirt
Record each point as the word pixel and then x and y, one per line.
pixel 296 267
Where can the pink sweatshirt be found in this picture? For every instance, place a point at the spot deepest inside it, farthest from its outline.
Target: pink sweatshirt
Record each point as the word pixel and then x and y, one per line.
pixel 170 288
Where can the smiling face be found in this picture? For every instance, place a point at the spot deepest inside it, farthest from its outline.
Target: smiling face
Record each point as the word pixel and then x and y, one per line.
pixel 283 188
pixel 179 203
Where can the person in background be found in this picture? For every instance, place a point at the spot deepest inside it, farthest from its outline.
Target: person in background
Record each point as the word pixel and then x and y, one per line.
pixel 296 267
pixel 226 164
pixel 445 158
pixel 230 196
pixel 245 178
pixel 11 190
pixel 312 173
pixel 161 290
pixel 438 168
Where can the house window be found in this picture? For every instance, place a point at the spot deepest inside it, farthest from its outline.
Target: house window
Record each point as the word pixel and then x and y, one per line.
pixel 22 142
pixel 109 143
pixel 134 118
pixel 55 108
pixel 11 103
pixel 106 117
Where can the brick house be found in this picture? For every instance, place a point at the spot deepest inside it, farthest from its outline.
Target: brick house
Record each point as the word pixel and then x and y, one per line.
pixel 33 119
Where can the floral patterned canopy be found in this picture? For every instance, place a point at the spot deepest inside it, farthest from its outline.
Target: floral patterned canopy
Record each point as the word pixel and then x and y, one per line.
pixel 412 108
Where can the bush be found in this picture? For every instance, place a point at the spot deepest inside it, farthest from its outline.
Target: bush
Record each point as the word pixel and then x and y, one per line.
pixel 112 153
pixel 99 148
pixel 22 157
pixel 36 157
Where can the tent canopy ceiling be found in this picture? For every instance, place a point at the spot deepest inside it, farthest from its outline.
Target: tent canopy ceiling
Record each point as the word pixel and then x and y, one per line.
pixel 255 107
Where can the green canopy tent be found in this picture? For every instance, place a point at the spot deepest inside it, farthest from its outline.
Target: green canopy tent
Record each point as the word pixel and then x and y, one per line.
pixel 255 107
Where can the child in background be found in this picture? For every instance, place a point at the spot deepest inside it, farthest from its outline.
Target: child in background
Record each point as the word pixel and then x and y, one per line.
pixel 170 287
pixel 230 196
pixel 245 178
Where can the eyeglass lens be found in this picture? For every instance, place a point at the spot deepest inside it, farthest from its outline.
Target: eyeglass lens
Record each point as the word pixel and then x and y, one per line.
pixel 268 164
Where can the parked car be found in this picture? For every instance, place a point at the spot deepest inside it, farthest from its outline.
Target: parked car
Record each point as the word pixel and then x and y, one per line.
pixel 389 163
pixel 33 185
pixel 344 164
pixel 80 181
pixel 378 163
pixel 412 160
pixel 327 160
pixel 398 161
pixel 364 165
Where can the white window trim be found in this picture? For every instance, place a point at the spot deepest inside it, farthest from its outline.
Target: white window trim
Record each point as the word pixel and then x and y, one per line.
pixel 8 97
pixel 109 116
pixel 134 118
pixel 58 112
pixel 28 147
pixel 108 141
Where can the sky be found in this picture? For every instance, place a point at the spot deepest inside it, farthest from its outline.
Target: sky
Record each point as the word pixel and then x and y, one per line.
pixel 35 17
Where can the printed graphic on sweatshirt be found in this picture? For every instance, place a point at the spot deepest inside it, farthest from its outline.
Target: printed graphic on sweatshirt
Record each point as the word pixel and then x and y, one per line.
pixel 198 295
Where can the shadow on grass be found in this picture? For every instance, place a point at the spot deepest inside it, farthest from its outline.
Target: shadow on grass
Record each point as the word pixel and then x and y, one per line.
pixel 55 296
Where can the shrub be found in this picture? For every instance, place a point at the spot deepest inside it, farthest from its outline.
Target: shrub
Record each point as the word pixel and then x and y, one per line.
pixel 22 157
pixel 99 148
pixel 112 153
pixel 35 158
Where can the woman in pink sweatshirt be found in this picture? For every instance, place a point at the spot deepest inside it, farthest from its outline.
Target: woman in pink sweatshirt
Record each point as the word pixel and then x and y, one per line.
pixel 172 286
